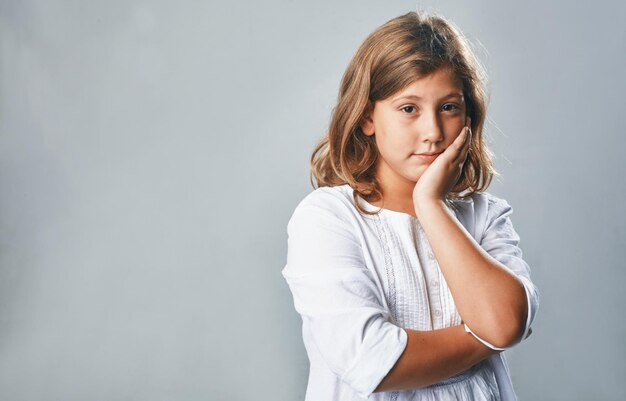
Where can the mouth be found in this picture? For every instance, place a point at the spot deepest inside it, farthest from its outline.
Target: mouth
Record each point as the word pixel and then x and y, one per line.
pixel 427 157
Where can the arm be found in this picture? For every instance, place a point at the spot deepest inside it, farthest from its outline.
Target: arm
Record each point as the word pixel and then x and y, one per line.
pixel 490 282
pixel 432 356
pixel 490 298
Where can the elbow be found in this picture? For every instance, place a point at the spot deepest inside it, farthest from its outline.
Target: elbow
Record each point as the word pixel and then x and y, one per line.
pixel 507 332
pixel 507 336
pixel 508 327
pixel 503 330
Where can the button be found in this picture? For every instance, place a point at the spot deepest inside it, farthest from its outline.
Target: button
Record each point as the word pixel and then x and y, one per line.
pixel 434 283
pixel 430 255
pixel 437 312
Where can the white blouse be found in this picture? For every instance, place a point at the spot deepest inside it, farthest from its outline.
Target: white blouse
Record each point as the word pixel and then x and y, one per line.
pixel 358 280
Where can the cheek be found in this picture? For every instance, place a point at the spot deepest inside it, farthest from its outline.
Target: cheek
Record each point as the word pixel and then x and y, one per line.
pixel 391 138
pixel 453 129
pixel 392 149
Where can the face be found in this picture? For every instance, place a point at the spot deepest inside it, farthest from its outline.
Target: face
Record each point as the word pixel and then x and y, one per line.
pixel 424 117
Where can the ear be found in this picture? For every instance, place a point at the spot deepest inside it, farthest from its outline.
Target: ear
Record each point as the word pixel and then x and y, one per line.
pixel 367 124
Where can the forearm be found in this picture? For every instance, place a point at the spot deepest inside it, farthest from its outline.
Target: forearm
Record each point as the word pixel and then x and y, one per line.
pixel 432 356
pixel 489 298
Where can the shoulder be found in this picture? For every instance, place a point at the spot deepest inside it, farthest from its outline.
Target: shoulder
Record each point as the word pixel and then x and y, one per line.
pixel 479 211
pixel 482 203
pixel 324 216
pixel 495 206
pixel 326 205
pixel 333 201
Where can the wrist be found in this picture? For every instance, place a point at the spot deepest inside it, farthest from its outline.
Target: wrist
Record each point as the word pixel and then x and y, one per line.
pixel 424 203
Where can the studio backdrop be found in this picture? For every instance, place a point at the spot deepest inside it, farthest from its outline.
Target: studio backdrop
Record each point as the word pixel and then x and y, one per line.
pixel 152 152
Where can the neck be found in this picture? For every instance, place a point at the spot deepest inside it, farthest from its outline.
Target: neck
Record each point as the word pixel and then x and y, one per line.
pixel 397 193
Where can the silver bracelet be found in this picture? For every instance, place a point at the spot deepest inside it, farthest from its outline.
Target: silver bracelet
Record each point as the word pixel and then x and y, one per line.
pixel 493 347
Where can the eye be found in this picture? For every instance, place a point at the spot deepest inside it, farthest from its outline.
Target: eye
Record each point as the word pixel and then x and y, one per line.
pixel 408 109
pixel 450 107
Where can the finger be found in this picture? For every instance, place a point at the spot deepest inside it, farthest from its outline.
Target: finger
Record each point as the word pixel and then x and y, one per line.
pixel 460 139
pixel 468 144
pixel 468 135
pixel 461 143
pixel 456 151
pixel 466 147
pixel 462 151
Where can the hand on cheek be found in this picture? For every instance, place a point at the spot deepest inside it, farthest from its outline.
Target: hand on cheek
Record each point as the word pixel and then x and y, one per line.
pixel 442 174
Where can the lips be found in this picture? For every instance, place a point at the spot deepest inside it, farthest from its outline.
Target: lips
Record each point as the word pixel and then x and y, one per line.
pixel 428 157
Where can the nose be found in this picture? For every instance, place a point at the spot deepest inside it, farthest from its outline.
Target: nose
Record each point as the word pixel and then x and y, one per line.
pixel 431 128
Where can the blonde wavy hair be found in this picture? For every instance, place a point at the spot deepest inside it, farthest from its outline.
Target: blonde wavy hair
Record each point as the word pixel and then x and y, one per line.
pixel 392 57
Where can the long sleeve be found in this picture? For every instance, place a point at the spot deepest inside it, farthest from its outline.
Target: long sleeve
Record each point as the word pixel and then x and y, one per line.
pixel 501 241
pixel 337 296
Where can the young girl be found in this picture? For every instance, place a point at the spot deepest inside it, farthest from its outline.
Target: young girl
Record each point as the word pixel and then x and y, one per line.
pixel 407 275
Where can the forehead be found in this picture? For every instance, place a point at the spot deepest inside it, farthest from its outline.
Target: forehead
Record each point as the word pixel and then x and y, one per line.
pixel 441 82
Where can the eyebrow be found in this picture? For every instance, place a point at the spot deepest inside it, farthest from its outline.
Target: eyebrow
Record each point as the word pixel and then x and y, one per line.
pixel 415 97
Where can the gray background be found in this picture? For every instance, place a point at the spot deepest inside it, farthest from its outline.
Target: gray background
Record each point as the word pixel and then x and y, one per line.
pixel 152 153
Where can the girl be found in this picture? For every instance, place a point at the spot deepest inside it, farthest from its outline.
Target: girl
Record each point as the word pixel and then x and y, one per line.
pixel 407 274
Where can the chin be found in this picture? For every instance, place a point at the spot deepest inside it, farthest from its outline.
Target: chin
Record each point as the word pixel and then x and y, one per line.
pixel 414 178
pixel 417 174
